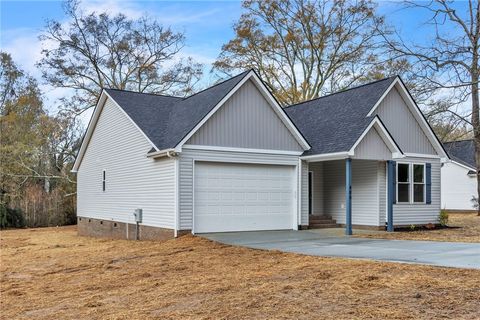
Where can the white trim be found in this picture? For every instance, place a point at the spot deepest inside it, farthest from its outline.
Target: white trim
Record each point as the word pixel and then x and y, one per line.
pixel 193 196
pixel 228 149
pixel 416 112
pixel 424 183
pixel 411 183
pixel 176 196
pixel 291 127
pixel 382 131
pixel 421 155
pixel 326 156
pixel 93 123
pixel 463 166
pixel 162 153
pixel 299 192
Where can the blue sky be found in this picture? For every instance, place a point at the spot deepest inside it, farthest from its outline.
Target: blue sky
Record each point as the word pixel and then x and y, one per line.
pixel 207 25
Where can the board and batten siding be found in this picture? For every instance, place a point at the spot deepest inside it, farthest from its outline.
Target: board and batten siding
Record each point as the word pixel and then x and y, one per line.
pixel 186 166
pixel 365 191
pixel 132 180
pixel 246 120
pixel 412 214
pixel 372 147
pixel 402 125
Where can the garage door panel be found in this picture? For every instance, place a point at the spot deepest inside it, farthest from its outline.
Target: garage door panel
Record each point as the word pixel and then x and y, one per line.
pixel 242 197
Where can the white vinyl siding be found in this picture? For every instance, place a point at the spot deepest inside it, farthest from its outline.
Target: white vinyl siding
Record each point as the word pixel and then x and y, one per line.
pixel 382 192
pixel 132 180
pixel 246 120
pixel 372 147
pixel 402 125
pixel 304 194
pixel 365 191
pixel 243 197
pixel 318 188
pixel 458 187
pixel 405 214
pixel 187 157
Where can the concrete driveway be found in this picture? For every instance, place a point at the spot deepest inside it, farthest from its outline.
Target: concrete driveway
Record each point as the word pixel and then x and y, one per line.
pixel 329 243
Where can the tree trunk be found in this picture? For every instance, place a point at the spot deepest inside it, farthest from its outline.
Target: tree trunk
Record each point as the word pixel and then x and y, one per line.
pixel 476 129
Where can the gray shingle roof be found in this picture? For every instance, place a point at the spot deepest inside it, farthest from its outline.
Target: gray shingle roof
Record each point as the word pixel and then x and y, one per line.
pixel 333 123
pixel 166 120
pixel 462 151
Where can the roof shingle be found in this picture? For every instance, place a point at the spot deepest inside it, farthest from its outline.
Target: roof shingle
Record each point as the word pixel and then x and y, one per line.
pixel 462 151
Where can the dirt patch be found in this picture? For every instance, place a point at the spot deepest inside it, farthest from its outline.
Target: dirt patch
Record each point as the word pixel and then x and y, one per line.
pixel 61 275
pixel 462 227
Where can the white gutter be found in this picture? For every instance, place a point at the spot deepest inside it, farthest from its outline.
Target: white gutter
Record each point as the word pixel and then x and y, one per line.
pixel 162 153
pixel 326 156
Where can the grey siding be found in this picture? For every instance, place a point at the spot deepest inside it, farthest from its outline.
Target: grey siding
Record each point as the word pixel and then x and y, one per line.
pixel 365 191
pixel 372 147
pixel 318 190
pixel 186 173
pixel 402 125
pixel 132 180
pixel 246 121
pixel 304 194
pixel 408 214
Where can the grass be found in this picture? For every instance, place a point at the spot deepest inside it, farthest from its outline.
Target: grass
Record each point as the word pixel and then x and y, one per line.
pixel 462 227
pixel 52 273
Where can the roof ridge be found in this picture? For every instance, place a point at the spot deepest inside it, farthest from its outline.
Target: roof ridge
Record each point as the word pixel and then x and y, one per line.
pixel 146 93
pixel 217 84
pixel 343 91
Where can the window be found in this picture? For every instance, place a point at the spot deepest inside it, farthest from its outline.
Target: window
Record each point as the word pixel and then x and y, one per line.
pixel 410 183
pixel 103 180
pixel 403 181
pixel 418 183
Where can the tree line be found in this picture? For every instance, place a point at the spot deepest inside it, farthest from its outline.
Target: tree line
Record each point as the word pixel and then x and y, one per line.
pixel 302 50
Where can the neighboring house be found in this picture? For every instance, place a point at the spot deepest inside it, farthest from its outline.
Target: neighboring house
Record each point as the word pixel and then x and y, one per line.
pixel 229 158
pixel 459 178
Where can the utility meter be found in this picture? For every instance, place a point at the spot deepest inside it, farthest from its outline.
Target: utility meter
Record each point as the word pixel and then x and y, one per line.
pixel 138 213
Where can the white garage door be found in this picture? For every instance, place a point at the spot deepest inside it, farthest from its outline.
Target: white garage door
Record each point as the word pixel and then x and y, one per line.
pixel 243 197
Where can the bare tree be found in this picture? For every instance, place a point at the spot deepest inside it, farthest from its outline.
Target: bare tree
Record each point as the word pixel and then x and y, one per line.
pixel 302 49
pixel 450 63
pixel 94 51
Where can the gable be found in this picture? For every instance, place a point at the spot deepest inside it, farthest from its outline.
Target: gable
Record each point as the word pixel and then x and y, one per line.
pixel 372 147
pixel 246 120
pixel 402 124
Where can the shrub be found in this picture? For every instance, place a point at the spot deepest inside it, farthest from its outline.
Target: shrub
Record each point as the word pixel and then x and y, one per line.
pixel 475 203
pixel 443 218
pixel 11 218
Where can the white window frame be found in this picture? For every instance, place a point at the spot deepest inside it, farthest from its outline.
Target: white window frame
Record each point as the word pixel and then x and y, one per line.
pixel 412 183
pixel 424 183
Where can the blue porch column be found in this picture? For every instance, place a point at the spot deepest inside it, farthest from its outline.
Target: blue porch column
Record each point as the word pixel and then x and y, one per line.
pixel 348 197
pixel 391 166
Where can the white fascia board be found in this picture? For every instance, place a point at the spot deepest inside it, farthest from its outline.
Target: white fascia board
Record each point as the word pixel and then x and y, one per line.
pixel 422 155
pixel 266 94
pixel 417 113
pixel 247 150
pixel 386 137
pixel 326 157
pixel 463 166
pixel 280 112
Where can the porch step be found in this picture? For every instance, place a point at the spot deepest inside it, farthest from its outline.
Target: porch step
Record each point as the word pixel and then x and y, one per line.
pixel 321 221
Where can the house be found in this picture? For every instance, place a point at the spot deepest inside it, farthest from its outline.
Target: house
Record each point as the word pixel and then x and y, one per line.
pixel 459 178
pixel 229 158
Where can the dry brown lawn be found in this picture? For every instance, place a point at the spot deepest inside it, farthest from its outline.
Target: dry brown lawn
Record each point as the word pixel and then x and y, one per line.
pixel 463 227
pixel 52 273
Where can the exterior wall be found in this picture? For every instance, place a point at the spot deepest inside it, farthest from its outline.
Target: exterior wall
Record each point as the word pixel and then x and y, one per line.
pixel 382 192
pixel 132 180
pixel 419 214
pixel 247 120
pixel 372 147
pixel 304 194
pixel 186 166
pixel 402 125
pixel 365 191
pixel 458 187
pixel 318 190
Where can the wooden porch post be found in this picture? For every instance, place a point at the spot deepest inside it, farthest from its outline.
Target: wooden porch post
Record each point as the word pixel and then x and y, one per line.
pixel 348 197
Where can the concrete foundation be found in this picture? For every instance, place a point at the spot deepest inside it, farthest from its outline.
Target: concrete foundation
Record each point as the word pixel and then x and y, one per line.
pixel 118 230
